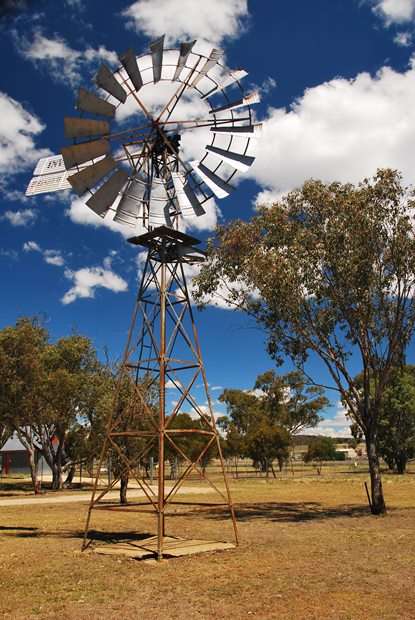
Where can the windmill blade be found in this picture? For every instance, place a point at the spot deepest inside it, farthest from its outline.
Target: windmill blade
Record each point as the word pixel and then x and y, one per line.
pixel 130 206
pixel 231 78
pixel 106 80
pixel 160 215
pixel 82 127
pixel 238 161
pixel 219 187
pixel 88 102
pixel 91 175
pixel 80 153
pixel 185 49
pixel 186 197
pixel 157 57
pixel 239 103
pixel 46 183
pixel 47 165
pixel 246 131
pixel 129 62
pixel 103 198
pixel 215 54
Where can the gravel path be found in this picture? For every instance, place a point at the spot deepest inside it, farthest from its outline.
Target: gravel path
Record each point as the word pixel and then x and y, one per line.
pixel 85 497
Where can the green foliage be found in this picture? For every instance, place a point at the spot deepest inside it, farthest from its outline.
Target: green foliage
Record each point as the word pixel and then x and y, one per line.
pixel 339 456
pixel 51 394
pixel 328 270
pixel 261 423
pixel 319 450
pixel 396 437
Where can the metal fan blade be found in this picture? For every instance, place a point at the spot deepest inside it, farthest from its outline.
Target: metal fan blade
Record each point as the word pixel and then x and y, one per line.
pixel 88 102
pixel 129 62
pixel 234 76
pixel 245 131
pixel 160 215
pixel 211 62
pixel 106 80
pixel 130 206
pixel 219 187
pixel 185 49
pixel 47 165
pixel 46 183
pixel 103 198
pixel 238 161
pixel 157 56
pixel 79 127
pixel 89 176
pixel 239 103
pixel 186 197
pixel 79 153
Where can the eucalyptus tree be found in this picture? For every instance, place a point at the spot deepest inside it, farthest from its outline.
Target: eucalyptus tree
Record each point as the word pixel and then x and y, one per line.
pixel 22 376
pixel 328 270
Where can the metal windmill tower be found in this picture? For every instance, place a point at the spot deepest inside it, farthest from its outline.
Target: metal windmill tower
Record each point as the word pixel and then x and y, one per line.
pixel 140 177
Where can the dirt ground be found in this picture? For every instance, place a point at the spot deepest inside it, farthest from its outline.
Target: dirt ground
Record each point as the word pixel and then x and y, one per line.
pixel 309 549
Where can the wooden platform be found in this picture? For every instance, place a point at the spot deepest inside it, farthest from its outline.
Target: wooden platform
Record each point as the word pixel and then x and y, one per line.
pixel 146 548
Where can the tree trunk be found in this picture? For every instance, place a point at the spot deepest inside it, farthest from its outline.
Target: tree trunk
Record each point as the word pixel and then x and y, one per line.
pixel 401 462
pixel 33 464
pixel 69 478
pixel 57 482
pixel 123 488
pixel 378 503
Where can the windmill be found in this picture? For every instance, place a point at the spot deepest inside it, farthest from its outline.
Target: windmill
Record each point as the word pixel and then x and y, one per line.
pixel 148 178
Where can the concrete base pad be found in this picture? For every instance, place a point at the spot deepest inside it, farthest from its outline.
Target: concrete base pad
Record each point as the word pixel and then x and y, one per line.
pixel 146 548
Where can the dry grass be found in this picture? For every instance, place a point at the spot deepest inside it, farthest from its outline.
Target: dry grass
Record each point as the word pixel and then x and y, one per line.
pixel 309 549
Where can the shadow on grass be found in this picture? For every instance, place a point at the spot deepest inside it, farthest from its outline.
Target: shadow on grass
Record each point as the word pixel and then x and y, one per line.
pixel 93 535
pixel 288 512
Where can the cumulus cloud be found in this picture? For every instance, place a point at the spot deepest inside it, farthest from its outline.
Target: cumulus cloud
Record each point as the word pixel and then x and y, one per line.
pixel 64 63
pixel 31 246
pixel 20 218
pixel 212 20
pixel 88 279
pixel 51 257
pixel 340 130
pixel 394 11
pixel 337 426
pixel 18 129
pixel 403 39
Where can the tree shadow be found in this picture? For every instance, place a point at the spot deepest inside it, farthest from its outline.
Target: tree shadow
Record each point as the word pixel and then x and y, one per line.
pixel 17 528
pixel 286 512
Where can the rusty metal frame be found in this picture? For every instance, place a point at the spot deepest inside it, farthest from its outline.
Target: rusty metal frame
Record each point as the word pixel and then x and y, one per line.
pixel 150 351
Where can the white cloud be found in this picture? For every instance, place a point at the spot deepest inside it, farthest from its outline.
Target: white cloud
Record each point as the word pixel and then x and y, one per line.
pixel 212 20
pixel 403 39
pixel 268 85
pixel 31 246
pixel 394 11
pixel 20 218
pixel 88 279
pixel 53 257
pixel 18 128
pixel 340 130
pixel 337 426
pixel 64 63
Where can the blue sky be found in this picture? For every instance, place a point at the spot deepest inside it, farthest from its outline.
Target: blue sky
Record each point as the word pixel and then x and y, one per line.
pixel 337 80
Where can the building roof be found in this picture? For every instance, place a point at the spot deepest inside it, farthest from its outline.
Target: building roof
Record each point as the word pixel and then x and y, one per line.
pixel 12 444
